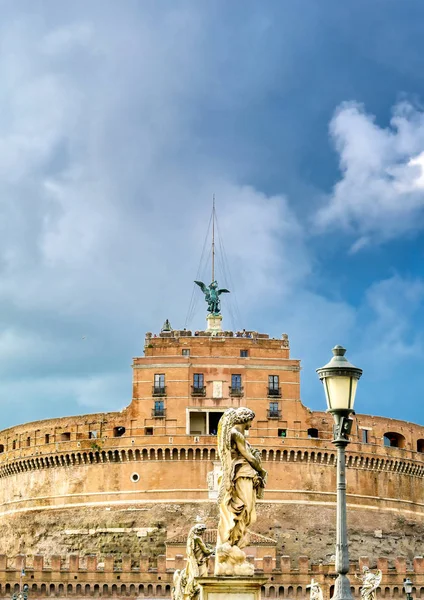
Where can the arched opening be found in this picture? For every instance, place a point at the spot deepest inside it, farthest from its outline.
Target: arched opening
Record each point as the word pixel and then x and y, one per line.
pixel 150 590
pixel 190 454
pixel 420 446
pixel 174 454
pixel 1 448
pixel 69 589
pixel 167 454
pixel 87 589
pixel 52 589
pixel 105 590
pixel 160 454
pixel 312 433
pixel 394 440
pixel 271 591
pixel 281 591
pixel 213 454
pixel 96 590
pixel 61 589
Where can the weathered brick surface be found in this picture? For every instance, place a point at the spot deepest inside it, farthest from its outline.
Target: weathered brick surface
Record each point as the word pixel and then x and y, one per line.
pixel 117 483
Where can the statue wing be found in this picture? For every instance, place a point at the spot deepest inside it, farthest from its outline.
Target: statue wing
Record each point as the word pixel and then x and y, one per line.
pixel 223 291
pixel 202 286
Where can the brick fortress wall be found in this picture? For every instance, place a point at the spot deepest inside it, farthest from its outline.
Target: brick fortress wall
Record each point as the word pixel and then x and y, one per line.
pixel 59 474
pixel 134 576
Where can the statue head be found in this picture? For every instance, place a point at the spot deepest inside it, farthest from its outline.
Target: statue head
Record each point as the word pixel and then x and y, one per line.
pixel 199 528
pixel 244 416
pixel 365 569
pixel 214 284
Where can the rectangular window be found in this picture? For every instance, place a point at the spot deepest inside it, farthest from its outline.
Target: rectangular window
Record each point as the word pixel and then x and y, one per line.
pixel 244 353
pixel 236 382
pixel 282 433
pixel 365 436
pixel 65 436
pixel 28 441
pixel 273 382
pixel 92 435
pixel 159 381
pixel 273 407
pixel 159 409
pixel 47 438
pixel 148 430
pixel 186 352
pixel 198 380
pixel 159 385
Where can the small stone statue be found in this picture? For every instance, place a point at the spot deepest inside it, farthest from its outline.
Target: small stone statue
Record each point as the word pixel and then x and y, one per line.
pixel 212 294
pixel 185 584
pixel 241 482
pixel 370 583
pixel 315 590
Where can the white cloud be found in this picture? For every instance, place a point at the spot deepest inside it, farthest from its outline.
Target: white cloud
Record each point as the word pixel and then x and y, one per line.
pixel 381 193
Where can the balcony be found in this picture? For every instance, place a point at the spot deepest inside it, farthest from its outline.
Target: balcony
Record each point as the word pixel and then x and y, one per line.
pixel 198 390
pixel 273 414
pixel 159 390
pixel 274 392
pixel 158 413
pixel 236 391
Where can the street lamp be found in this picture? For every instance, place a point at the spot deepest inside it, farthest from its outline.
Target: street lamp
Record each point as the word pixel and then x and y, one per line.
pixel 407 586
pixel 340 380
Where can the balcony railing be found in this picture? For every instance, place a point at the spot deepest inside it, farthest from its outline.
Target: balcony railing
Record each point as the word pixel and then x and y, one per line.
pixel 158 413
pixel 274 414
pixel 274 392
pixel 236 391
pixel 159 390
pixel 197 390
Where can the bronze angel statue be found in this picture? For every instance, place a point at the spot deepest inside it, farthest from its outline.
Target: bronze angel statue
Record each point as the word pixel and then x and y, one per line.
pixel 241 482
pixel 212 293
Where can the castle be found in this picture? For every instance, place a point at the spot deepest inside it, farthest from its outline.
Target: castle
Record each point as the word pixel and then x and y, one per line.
pixel 115 493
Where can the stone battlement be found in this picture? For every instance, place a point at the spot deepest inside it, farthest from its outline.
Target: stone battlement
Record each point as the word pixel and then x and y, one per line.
pixel 93 575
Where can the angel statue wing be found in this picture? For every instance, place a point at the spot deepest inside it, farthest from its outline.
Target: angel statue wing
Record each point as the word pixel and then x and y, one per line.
pixel 222 291
pixel 203 287
pixel 225 425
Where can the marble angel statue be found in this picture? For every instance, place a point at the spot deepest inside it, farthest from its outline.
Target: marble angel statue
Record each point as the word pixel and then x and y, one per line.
pixel 185 585
pixel 370 583
pixel 241 482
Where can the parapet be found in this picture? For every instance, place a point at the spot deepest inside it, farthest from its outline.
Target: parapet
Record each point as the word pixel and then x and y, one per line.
pixel 94 563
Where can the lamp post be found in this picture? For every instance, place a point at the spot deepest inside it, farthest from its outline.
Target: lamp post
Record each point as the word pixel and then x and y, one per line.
pixel 340 379
pixel 407 586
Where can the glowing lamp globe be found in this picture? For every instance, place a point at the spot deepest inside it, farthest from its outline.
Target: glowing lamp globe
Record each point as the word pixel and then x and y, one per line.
pixel 340 380
pixel 407 586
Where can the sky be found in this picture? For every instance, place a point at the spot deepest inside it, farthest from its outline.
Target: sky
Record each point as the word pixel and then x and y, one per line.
pixel 118 123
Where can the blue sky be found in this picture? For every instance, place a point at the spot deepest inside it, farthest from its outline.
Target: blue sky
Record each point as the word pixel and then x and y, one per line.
pixel 118 121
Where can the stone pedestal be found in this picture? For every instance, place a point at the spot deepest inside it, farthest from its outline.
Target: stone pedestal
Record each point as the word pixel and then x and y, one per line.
pixel 231 588
pixel 214 323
